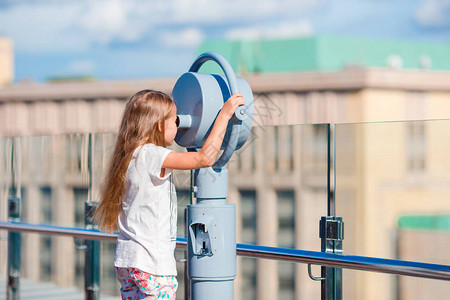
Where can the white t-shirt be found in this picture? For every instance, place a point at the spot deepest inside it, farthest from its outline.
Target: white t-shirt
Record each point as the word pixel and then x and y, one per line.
pixel 148 216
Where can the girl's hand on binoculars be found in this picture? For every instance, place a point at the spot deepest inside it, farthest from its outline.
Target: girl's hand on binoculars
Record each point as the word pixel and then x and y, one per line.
pixel 231 105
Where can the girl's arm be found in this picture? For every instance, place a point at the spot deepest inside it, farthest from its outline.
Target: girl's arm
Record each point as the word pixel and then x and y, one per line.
pixel 208 154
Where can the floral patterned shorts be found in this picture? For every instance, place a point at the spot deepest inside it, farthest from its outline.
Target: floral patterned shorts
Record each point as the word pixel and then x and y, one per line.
pixel 137 284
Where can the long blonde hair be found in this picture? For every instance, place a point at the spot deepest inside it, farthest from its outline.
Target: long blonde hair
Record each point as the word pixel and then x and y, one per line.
pixel 139 126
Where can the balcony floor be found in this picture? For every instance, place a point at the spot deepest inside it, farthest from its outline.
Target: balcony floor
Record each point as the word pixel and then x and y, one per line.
pixel 46 290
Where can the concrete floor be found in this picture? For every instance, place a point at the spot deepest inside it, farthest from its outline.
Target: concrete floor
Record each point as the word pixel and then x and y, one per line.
pixel 46 290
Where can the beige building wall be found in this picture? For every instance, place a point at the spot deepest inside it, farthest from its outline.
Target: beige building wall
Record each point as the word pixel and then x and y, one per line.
pixel 409 243
pixel 374 185
pixel 6 61
pixel 389 169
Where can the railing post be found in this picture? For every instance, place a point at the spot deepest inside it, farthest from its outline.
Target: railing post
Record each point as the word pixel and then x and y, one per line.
pixel 331 234
pixel 92 258
pixel 14 249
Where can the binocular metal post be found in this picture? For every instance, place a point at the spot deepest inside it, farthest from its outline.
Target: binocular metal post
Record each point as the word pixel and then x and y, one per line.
pixel 211 222
pixel 212 237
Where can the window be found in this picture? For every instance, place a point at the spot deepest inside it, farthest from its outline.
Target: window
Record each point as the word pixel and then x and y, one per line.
pixel 248 215
pixel 248 235
pixel 416 146
pixel 45 250
pixel 286 239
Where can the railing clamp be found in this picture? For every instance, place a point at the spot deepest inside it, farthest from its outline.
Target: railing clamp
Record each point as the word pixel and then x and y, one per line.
pixel 332 228
pixel 331 234
pixel 13 281
pixel 14 209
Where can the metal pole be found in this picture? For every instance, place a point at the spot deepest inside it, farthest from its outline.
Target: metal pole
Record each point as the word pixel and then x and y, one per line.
pixel 92 258
pixel 211 238
pixel 92 254
pixel 14 249
pixel 14 238
pixel 331 233
pixel 187 293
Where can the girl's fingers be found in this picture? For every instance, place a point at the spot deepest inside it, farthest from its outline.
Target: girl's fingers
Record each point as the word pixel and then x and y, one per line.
pixel 240 101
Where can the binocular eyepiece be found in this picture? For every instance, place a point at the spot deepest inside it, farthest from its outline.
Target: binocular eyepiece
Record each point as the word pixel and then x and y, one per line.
pixel 183 121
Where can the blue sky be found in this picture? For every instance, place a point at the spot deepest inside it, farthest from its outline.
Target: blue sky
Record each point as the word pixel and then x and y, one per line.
pixel 130 39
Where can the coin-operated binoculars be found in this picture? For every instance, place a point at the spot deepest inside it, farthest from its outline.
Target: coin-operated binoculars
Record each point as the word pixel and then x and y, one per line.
pixel 211 222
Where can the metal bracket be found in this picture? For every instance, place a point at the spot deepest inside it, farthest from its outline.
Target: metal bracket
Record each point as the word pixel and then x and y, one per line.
pixel 312 276
pixel 14 209
pixel 13 281
pixel 80 244
pixel 181 260
pixel 332 228
pixel 332 235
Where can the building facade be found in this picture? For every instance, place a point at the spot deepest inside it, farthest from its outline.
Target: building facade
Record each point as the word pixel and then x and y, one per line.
pixel 6 61
pixel 277 180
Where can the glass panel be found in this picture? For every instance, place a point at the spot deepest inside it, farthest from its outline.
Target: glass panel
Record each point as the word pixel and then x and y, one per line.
pixel 103 147
pixel 6 178
pixel 182 183
pixel 278 181
pixel 392 190
pixel 51 176
pixel 5 189
pixel 54 176
pixel 248 235
pixel 109 285
pixel 286 279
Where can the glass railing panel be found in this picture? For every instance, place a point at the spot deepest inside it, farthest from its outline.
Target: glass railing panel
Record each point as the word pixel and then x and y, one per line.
pixel 392 190
pixel 6 179
pixel 5 183
pixel 43 277
pixel 54 176
pixel 109 285
pixel 278 181
pixel 101 152
pixel 50 176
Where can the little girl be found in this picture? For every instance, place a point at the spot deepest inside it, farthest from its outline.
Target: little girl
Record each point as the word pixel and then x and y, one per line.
pixel 139 196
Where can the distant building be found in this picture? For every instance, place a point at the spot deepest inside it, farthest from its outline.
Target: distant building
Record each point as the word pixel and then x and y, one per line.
pixel 384 171
pixel 6 61
pixel 328 54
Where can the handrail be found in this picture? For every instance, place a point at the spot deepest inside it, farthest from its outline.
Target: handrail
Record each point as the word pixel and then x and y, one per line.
pixel 87 234
pixel 381 265
pixel 363 263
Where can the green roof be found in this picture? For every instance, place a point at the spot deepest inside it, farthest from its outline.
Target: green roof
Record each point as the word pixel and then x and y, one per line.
pixel 433 222
pixel 322 53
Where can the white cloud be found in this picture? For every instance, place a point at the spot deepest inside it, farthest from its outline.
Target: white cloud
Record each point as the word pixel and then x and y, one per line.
pixel 233 12
pixel 52 26
pixel 434 14
pixel 49 26
pixel 190 37
pixel 106 21
pixel 281 30
pixel 38 28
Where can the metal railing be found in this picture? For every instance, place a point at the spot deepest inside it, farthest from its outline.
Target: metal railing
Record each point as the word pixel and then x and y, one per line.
pixel 381 265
